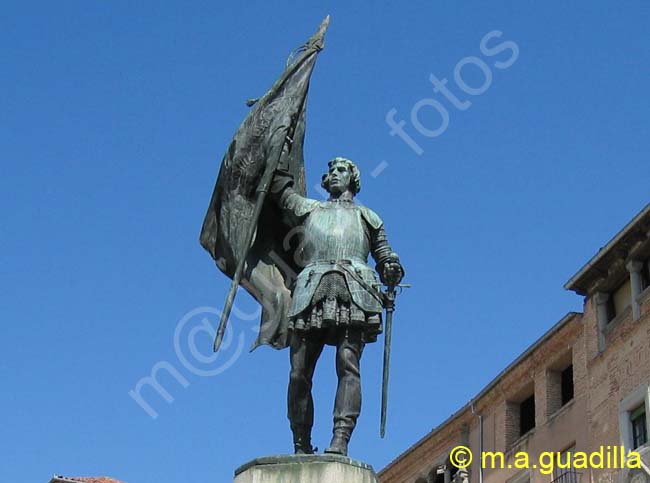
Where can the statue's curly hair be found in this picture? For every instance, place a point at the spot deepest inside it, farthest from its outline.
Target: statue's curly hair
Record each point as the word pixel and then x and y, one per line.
pixel 355 175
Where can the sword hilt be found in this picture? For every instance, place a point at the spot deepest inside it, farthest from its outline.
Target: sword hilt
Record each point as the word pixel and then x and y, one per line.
pixel 391 293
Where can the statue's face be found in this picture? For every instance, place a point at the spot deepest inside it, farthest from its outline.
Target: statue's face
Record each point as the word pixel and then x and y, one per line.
pixel 339 178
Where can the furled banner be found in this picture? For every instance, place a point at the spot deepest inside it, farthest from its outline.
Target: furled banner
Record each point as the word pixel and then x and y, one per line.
pixel 273 130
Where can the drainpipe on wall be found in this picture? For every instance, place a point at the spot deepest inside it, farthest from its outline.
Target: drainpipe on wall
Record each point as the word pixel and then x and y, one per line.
pixel 480 443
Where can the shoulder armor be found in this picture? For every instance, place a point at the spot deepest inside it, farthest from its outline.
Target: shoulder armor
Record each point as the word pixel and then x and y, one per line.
pixel 371 217
pixel 307 207
pixel 300 205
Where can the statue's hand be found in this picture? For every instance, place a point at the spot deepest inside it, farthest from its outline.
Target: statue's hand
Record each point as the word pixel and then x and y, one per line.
pixel 392 271
pixel 280 181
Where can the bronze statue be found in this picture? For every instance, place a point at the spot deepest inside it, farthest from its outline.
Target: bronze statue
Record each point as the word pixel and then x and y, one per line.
pixel 335 299
pixel 304 260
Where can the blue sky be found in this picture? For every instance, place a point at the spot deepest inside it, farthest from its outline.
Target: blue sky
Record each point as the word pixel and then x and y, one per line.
pixel 114 117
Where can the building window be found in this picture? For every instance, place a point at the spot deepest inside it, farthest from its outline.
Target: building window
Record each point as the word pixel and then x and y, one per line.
pixel 440 476
pixel 563 473
pixel 443 473
pixel 645 275
pixel 559 385
pixel 632 417
pixel 621 299
pixel 639 427
pixel 519 416
pixel 527 415
pixel 567 384
pixel 611 309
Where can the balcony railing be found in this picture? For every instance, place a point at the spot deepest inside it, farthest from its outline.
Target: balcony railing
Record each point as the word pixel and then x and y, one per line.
pixel 569 476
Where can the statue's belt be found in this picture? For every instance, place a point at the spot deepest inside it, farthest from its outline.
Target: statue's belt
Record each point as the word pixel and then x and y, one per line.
pixel 345 266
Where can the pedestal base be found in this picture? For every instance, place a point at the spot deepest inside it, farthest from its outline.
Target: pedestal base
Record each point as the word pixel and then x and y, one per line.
pixel 328 468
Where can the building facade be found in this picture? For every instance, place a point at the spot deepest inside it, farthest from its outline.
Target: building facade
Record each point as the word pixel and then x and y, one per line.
pixel 582 388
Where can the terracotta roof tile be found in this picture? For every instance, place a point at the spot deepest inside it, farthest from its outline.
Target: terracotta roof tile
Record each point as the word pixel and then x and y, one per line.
pixel 87 479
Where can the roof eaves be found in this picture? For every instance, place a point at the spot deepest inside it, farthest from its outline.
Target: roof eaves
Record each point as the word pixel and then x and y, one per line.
pixel 574 283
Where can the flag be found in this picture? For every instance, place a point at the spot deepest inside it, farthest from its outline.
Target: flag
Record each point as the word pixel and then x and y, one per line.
pixel 274 129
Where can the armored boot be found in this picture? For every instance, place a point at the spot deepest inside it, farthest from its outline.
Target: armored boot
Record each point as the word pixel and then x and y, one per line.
pixel 340 440
pixel 302 440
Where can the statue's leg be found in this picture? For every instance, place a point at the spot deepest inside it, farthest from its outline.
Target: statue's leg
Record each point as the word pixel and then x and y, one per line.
pixel 304 352
pixel 348 393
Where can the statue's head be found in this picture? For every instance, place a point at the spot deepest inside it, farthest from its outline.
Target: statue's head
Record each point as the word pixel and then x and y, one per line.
pixel 342 175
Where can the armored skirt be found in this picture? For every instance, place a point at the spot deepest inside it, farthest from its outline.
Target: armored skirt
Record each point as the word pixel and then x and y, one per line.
pixel 332 310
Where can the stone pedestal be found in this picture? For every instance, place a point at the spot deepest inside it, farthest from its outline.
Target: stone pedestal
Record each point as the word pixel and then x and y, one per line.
pixel 328 468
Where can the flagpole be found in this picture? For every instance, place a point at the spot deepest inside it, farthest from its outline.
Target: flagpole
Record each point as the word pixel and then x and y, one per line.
pixel 262 190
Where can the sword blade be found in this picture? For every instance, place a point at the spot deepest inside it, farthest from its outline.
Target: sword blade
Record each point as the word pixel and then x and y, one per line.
pixel 384 385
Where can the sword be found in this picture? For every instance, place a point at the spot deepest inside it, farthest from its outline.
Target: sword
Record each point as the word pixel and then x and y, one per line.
pixel 389 305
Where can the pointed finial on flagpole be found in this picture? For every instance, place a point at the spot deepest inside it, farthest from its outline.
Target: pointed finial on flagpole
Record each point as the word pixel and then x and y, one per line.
pixel 318 39
pixel 316 42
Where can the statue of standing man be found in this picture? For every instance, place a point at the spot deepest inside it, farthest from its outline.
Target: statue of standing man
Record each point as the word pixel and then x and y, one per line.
pixel 335 299
pixel 305 261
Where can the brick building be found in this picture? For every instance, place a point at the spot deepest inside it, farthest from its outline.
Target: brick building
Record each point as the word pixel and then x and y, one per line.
pixel 582 386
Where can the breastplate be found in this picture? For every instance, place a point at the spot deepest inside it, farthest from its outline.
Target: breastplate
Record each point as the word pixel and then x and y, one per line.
pixel 335 231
